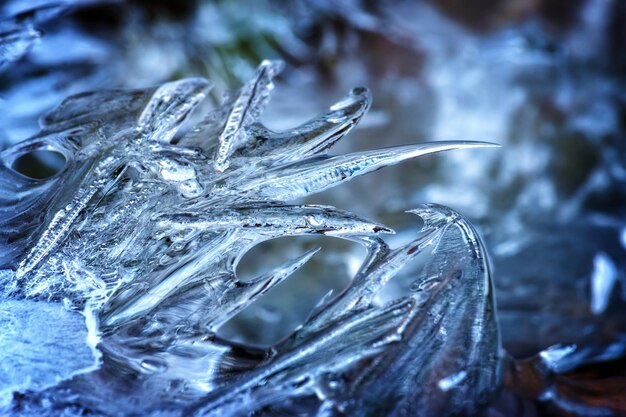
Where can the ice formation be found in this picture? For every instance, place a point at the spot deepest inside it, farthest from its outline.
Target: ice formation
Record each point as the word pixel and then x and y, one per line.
pixel 128 256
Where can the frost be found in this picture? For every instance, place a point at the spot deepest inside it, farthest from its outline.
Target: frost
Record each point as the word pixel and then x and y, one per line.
pixel 142 231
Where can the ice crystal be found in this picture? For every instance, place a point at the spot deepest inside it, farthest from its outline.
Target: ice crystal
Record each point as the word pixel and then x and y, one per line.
pixel 141 233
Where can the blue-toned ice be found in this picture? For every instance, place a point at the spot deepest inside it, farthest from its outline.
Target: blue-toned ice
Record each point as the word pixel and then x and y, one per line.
pixel 118 272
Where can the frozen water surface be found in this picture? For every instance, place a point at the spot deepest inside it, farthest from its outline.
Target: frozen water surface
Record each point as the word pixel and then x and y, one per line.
pixel 41 344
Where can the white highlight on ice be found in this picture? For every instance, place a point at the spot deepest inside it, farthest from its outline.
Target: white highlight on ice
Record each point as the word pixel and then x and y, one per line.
pixel 603 280
pixel 554 354
pixel 449 382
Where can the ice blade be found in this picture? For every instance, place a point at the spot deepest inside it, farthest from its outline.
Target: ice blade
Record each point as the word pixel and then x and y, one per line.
pixel 319 174
pixel 242 294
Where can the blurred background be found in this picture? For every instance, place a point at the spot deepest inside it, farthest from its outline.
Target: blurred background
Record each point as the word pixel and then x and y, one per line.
pixel 543 78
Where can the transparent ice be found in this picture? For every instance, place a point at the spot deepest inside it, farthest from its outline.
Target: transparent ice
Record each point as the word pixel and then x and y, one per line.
pixel 128 257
